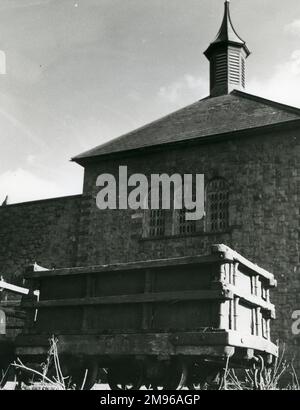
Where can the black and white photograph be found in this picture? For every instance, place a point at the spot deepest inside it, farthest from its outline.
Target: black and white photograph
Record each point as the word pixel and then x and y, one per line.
pixel 149 198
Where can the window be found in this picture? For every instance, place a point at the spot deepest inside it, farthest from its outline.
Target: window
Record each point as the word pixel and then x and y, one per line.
pixel 185 226
pixel 161 222
pixel 217 205
pixel 157 223
pixel 154 220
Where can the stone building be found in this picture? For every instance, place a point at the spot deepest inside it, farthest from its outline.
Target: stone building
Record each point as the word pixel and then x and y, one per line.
pixel 247 147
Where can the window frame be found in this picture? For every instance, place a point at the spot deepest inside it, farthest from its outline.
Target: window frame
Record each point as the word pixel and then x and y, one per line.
pixel 225 220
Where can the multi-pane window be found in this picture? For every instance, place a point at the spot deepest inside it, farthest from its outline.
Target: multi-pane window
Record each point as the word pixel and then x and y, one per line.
pixel 217 206
pixel 155 219
pixel 157 222
pixel 185 226
pixel 160 222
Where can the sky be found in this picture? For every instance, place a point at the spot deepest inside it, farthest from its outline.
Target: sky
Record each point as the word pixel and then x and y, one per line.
pixel 77 73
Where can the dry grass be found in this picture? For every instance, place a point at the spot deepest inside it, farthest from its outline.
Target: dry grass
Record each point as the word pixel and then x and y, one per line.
pixel 281 376
pixel 50 375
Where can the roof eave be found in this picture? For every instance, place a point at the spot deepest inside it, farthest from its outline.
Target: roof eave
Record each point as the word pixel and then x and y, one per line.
pixel 290 124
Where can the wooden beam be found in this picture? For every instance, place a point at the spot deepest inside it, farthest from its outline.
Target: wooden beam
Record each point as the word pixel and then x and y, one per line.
pixel 138 298
pixel 13 288
pixel 219 255
pixel 189 343
pixel 9 287
pixel 141 265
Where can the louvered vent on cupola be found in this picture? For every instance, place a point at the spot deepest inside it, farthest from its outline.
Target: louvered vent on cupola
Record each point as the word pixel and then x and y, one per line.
pixel 227 72
pixel 234 66
pixel 220 69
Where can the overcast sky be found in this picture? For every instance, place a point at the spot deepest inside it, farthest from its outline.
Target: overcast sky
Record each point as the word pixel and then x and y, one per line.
pixel 80 72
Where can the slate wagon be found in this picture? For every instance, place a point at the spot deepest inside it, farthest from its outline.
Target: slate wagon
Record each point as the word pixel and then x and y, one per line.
pixel 169 323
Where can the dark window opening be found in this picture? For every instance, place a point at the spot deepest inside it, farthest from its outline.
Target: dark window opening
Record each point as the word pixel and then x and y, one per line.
pixel 157 223
pixel 217 206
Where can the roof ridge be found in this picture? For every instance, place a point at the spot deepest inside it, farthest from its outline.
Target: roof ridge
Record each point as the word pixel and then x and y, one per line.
pixel 263 100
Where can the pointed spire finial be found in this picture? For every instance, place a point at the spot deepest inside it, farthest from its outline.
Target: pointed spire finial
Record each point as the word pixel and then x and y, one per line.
pixel 227 31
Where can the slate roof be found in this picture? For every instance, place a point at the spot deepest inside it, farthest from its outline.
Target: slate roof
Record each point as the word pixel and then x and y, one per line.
pixel 236 111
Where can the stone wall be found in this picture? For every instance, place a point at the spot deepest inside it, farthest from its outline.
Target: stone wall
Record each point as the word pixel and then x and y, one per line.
pixel 45 232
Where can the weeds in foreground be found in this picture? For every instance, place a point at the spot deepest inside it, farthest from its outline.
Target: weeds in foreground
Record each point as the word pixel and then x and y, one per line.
pixel 49 374
pixel 281 376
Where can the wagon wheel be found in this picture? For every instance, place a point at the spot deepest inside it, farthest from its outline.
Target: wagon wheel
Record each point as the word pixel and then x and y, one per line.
pixel 204 374
pixel 177 375
pixel 172 375
pixel 82 374
pixel 125 376
pixel 215 381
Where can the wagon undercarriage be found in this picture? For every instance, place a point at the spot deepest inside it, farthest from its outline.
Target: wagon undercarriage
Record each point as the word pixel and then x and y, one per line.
pixel 191 358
